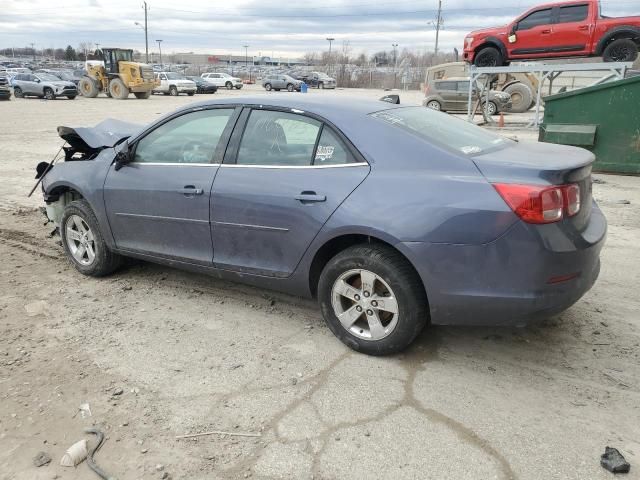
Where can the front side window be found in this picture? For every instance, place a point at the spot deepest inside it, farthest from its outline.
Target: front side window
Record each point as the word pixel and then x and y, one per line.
pixel 443 130
pixel 190 138
pixel 174 76
pixel 573 13
pixel 535 19
pixel 278 139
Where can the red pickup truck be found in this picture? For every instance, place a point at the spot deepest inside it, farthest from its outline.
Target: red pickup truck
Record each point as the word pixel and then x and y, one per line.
pixel 562 29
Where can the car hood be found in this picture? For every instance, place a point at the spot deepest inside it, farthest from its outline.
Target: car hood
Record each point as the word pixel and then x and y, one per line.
pixel 186 83
pixel 487 31
pixel 62 83
pixel 105 134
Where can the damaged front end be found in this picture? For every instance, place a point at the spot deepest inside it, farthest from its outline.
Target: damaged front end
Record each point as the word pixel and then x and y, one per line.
pixel 63 183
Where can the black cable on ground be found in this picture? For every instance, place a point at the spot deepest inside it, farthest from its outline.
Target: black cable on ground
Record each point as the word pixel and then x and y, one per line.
pixel 92 464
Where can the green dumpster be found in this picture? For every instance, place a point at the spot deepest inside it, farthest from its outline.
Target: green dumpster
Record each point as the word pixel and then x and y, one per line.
pixel 603 118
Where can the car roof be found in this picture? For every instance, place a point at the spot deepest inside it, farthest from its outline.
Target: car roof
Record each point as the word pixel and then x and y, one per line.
pixel 337 109
pixel 453 79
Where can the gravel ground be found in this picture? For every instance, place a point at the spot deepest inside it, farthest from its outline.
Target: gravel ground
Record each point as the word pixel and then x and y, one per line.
pixel 158 353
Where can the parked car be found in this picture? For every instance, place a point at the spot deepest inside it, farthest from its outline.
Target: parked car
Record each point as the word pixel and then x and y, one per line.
pixel 320 80
pixel 202 86
pixel 452 95
pixel 561 29
pixel 392 216
pixel 43 85
pixel 281 82
pixel 173 83
pixel 222 80
pixel 5 91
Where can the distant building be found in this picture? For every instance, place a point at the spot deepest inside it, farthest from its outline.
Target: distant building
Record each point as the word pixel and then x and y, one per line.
pixel 222 60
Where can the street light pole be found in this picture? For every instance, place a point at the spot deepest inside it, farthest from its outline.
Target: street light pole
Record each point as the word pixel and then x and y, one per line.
pixel 246 60
pixel 160 49
pixel 146 35
pixel 33 50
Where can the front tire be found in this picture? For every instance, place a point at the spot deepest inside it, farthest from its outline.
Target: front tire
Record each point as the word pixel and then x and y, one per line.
pixel 290 87
pixel 229 85
pixel 490 108
pixel 48 94
pixel 173 91
pixel 434 105
pixel 267 87
pixel 488 57
pixel 621 50
pixel 118 89
pixel 373 299
pixel 88 87
pixel 83 243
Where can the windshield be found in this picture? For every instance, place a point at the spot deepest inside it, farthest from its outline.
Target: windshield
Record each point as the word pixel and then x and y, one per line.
pixel 323 75
pixel 47 77
pixel 123 55
pixel 174 76
pixel 444 130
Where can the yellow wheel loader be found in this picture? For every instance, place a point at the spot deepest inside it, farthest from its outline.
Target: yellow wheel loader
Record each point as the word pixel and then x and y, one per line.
pixel 117 76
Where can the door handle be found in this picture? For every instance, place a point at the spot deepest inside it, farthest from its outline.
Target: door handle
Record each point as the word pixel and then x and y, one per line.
pixel 190 190
pixel 310 197
pixel 546 32
pixel 584 27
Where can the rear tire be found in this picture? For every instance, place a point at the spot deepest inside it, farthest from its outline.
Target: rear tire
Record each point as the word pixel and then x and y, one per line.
pixel 142 95
pixel 395 285
pixel 17 92
pixel 434 105
pixel 521 97
pixel 621 50
pixel 77 219
pixel 290 87
pixel 229 85
pixel 490 108
pixel 267 87
pixel 488 57
pixel 118 89
pixel 88 87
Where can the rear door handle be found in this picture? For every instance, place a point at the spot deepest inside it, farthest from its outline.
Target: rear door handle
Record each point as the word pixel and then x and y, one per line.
pixel 584 27
pixel 310 197
pixel 191 190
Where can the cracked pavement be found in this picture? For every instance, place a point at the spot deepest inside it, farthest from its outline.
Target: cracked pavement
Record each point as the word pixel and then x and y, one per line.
pixel 193 354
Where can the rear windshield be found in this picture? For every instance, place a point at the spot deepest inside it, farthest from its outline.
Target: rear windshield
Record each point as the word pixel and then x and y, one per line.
pixel 442 129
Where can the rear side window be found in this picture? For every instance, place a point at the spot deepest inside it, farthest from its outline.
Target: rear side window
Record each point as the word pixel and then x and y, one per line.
pixel 463 86
pixel 443 130
pixel 573 13
pixel 446 85
pixel 535 19
pixel 331 150
pixel 278 139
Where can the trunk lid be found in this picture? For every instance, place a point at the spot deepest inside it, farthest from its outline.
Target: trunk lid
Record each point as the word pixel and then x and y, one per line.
pixel 542 164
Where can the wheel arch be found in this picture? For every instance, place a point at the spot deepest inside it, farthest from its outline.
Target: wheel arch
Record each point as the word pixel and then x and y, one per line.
pixel 623 31
pixel 333 246
pixel 495 43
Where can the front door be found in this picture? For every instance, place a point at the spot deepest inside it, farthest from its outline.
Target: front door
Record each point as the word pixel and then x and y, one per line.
pixel 286 177
pixel 159 203
pixel 534 35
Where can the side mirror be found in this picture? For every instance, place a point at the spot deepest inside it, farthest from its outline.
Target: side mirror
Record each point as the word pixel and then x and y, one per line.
pixel 123 157
pixel 37 80
pixel 512 33
pixel 395 99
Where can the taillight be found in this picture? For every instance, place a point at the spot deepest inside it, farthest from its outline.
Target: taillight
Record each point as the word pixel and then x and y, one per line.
pixel 540 204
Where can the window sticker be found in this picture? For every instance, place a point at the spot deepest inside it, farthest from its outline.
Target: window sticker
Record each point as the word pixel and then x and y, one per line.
pixel 325 152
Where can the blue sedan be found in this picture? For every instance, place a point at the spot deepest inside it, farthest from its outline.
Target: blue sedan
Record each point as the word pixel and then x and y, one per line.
pixel 392 216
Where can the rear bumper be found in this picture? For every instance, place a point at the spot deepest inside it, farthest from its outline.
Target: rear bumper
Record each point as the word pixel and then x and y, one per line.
pixel 507 281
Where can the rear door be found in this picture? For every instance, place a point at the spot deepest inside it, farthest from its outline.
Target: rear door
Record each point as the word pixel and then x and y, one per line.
pixel 159 203
pixel 533 35
pixel 448 90
pixel 572 29
pixel 283 178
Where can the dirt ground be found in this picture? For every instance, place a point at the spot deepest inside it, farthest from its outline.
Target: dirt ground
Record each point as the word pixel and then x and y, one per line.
pixel 158 353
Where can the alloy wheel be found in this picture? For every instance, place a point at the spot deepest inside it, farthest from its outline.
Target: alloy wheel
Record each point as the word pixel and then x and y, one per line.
pixel 364 304
pixel 80 240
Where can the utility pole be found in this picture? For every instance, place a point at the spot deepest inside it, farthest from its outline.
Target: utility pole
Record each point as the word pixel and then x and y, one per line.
pixel 33 50
pixel 246 60
pixel 160 49
pixel 438 23
pixel 330 40
pixel 146 34
pixel 395 63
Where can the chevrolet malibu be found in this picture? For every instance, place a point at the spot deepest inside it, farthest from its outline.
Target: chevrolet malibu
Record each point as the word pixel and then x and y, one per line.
pixel 393 217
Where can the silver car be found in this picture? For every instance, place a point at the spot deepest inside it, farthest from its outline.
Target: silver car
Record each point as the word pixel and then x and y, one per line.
pixel 281 82
pixel 43 85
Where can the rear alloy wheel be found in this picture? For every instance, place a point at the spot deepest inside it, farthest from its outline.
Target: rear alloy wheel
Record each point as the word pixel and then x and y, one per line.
pixel 17 92
pixel 48 94
pixel 173 91
pixel 83 242
pixel 290 87
pixel 229 85
pixel 490 108
pixel 118 89
pixel 621 50
pixel 488 57
pixel 372 299
pixel 434 105
pixel 267 87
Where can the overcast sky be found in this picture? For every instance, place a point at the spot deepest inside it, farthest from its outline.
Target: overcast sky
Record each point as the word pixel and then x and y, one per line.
pixel 282 28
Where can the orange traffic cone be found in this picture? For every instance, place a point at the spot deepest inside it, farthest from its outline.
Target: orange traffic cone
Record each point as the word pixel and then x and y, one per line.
pixel 501 120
